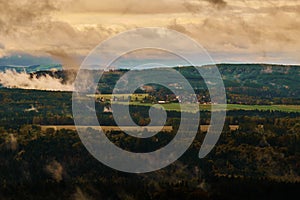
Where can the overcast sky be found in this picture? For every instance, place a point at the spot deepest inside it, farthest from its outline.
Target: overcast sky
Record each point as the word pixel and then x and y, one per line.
pixel 230 30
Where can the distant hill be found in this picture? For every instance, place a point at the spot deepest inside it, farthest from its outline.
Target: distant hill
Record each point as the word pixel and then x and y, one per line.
pixel 263 79
pixel 255 83
pixel 32 68
pixel 244 83
pixel 24 62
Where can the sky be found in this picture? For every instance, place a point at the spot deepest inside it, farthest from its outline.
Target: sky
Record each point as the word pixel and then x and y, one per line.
pixel 232 31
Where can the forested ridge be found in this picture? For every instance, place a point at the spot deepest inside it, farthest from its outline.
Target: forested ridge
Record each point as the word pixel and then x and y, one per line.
pixel 254 161
pixel 258 160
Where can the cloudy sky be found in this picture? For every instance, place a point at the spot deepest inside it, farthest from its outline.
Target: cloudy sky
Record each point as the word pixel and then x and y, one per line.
pixel 230 30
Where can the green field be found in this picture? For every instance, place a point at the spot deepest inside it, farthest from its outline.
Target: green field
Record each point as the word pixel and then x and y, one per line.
pixel 283 108
pixel 176 107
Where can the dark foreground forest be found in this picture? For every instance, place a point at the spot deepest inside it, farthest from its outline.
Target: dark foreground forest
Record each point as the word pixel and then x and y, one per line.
pixel 259 160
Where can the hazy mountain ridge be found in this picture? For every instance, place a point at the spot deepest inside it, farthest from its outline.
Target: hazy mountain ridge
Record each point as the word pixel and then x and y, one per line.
pixel 31 68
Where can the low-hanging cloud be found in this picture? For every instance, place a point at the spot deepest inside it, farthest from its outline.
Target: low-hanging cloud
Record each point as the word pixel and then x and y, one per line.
pixel 13 79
